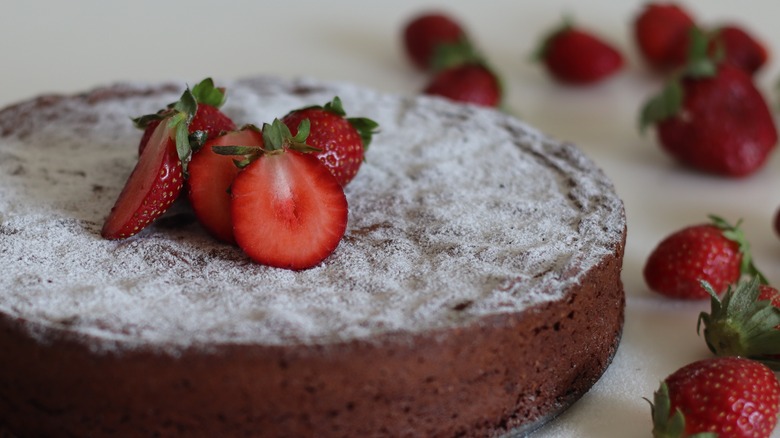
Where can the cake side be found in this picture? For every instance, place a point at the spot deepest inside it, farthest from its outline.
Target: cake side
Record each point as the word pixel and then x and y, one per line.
pixel 505 372
pixel 475 188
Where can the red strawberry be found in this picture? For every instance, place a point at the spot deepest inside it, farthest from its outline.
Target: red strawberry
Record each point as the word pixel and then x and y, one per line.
pixel 210 177
pixel 427 33
pixel 745 322
pixel 740 48
pixel 660 30
pixel 473 83
pixel 157 178
pixel 209 120
pixel 288 210
pixel 341 140
pixel 723 396
pixel 713 119
pixel 717 253
pixel 575 56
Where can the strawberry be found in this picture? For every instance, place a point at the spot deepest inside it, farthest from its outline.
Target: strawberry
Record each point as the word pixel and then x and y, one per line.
pixel 158 176
pixel 745 322
pixel 575 56
pixel 740 48
pixel 210 178
pixel 430 32
pixel 715 252
pixel 661 31
pixel 473 83
pixel 713 118
pixel 341 140
pixel 721 396
pixel 288 209
pixel 208 122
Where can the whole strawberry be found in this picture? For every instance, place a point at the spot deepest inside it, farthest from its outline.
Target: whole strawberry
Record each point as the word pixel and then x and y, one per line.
pixel 661 31
pixel 208 122
pixel 715 252
pixel 575 56
pixel 745 322
pixel 428 33
pixel 722 396
pixel 473 83
pixel 713 118
pixel 341 140
pixel 740 49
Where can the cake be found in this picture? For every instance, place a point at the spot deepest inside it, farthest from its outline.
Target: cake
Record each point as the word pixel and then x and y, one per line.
pixel 476 291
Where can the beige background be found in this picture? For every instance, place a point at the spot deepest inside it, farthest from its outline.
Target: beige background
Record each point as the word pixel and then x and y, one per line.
pixel 64 47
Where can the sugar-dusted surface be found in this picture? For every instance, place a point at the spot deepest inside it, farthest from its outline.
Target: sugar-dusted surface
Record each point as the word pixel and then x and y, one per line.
pixel 457 213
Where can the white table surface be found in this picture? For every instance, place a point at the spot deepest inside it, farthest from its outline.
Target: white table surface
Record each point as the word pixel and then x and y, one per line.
pixel 71 46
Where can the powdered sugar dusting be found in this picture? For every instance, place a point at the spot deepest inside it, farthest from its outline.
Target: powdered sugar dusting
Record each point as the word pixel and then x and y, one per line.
pixel 458 212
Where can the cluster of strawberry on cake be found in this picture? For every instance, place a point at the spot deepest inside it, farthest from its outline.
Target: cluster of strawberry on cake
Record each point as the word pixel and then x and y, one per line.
pixel 276 190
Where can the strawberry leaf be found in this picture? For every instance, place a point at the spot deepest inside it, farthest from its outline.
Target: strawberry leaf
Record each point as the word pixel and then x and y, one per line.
pixel 205 92
pixel 304 128
pixel 736 234
pixel 277 137
pixel 663 106
pixel 450 55
pixel 335 106
pixel 366 128
pixel 666 424
pixel 700 63
pixel 144 121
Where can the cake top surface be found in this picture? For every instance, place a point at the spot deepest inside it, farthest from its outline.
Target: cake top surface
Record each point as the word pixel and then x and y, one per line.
pixel 458 212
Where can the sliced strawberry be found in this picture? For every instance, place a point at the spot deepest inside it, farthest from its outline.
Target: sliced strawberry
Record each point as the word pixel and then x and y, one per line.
pixel 153 186
pixel 210 177
pixel 288 210
pixel 158 176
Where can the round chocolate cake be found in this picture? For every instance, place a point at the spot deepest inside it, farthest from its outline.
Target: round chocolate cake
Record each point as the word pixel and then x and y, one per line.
pixel 476 291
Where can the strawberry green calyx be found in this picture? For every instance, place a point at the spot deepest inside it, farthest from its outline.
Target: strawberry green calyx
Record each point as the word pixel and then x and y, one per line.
pixel 666 424
pixel 449 55
pixel 735 234
pixel 277 138
pixel 741 325
pixel 662 106
pixel 205 92
pixel 179 121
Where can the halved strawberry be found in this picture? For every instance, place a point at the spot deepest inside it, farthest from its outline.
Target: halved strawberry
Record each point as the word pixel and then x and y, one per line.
pixel 341 140
pixel 153 186
pixel 209 121
pixel 288 209
pixel 158 176
pixel 210 177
